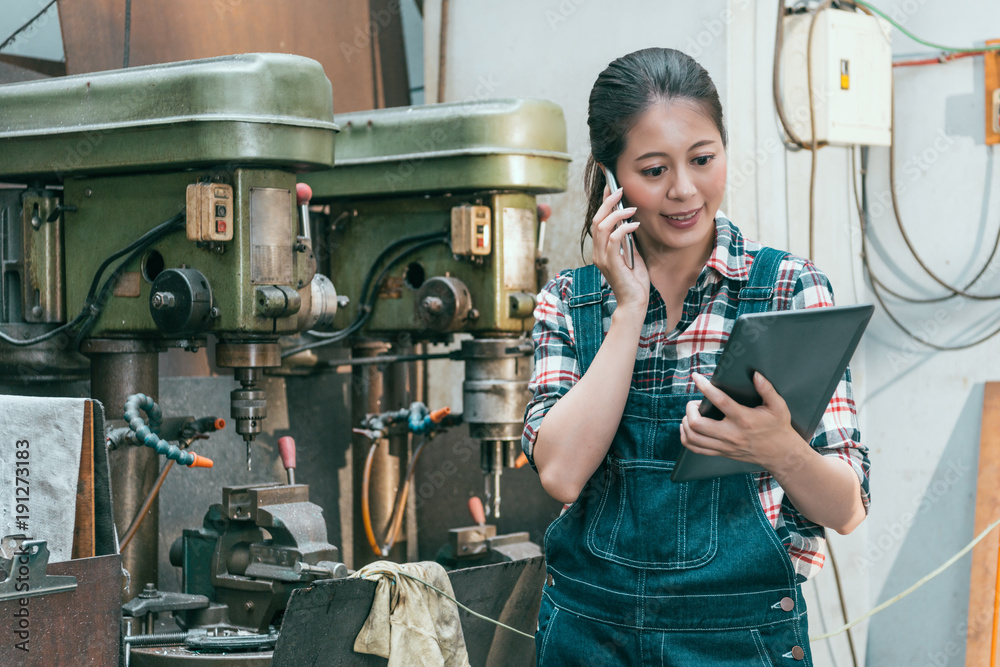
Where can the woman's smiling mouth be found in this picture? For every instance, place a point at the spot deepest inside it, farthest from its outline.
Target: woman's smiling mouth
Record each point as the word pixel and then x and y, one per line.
pixel 683 220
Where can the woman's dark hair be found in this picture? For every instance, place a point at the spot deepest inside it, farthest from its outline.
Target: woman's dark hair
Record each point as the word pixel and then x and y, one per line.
pixel 626 89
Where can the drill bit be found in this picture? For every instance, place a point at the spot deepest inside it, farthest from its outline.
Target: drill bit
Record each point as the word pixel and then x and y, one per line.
pixel 496 492
pixel 248 440
pixel 488 495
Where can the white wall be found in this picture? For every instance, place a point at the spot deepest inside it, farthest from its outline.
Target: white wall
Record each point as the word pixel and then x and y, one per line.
pixel 920 410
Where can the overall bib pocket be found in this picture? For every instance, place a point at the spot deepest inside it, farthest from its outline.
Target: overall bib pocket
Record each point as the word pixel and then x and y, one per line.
pixel 644 520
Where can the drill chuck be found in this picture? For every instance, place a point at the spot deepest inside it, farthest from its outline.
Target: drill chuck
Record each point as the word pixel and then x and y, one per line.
pixel 249 409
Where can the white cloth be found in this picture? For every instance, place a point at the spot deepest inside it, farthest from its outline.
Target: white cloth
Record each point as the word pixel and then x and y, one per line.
pixel 410 624
pixel 53 430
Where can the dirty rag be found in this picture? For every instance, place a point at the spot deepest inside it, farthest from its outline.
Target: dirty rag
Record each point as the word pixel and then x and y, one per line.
pixel 410 624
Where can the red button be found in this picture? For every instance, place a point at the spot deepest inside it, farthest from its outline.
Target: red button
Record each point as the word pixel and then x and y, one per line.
pixel 220 226
pixel 480 242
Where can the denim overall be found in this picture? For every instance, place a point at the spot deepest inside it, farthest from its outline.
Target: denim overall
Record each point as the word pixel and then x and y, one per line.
pixel 646 571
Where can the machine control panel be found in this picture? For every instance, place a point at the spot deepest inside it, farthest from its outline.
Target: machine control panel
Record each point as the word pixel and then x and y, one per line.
pixel 210 212
pixel 470 230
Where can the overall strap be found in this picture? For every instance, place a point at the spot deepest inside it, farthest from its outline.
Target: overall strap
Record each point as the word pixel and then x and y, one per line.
pixel 585 307
pixel 756 296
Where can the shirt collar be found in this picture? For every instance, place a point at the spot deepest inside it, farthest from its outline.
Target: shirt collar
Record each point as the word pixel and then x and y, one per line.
pixel 728 257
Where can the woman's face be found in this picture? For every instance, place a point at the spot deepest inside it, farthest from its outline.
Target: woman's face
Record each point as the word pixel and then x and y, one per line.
pixel 673 171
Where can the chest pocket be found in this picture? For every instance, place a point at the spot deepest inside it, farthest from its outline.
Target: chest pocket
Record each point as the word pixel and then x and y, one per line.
pixel 642 519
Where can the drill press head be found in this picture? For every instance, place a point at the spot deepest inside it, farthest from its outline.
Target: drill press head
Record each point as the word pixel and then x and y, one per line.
pixel 494 394
pixel 248 404
pixel 239 267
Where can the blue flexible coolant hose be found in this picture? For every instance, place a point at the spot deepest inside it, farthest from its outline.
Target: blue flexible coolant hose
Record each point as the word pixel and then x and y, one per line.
pixel 147 434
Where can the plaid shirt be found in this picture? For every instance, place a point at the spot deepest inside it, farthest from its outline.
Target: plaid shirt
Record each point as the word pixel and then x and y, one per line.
pixel 666 360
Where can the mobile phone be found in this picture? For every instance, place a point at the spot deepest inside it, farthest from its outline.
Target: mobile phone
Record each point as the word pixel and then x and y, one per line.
pixel 627 245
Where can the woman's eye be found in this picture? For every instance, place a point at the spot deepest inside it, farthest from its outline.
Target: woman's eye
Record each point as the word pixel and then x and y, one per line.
pixel 654 171
pixel 703 160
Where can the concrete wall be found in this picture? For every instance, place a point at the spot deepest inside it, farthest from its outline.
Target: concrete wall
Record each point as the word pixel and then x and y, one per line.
pixel 920 409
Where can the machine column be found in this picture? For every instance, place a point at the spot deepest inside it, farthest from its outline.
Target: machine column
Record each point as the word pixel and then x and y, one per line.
pixel 374 390
pixel 119 368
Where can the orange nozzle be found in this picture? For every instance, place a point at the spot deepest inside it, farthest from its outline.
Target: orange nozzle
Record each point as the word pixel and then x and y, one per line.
pixel 438 415
pixel 220 424
pixel 476 510
pixel 522 461
pixel 200 462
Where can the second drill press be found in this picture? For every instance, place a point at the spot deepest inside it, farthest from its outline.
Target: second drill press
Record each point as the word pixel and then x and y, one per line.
pixel 440 202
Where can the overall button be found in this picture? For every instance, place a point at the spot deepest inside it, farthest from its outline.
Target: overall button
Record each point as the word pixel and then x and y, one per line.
pixel 798 653
pixel 787 604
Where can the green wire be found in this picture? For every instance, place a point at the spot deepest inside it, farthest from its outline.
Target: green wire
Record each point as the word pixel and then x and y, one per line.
pixel 952 49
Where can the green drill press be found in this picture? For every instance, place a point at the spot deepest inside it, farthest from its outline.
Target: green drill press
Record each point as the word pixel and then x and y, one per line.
pixel 440 202
pixel 151 207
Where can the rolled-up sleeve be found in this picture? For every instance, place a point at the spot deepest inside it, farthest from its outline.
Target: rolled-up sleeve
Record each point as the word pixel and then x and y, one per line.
pixel 556 367
pixel 838 434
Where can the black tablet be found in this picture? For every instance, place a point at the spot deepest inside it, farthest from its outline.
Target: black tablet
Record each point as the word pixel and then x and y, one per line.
pixel 803 353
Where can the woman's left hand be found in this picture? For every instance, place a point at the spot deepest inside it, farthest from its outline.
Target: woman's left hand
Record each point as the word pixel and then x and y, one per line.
pixel 761 435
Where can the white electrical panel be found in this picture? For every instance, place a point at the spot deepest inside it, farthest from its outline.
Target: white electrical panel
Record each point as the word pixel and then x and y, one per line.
pixel 852 78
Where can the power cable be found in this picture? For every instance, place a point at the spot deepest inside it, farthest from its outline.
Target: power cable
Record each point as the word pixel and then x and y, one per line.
pixel 95 305
pixel 95 301
pixel 814 143
pixel 899 220
pixel 364 312
pixel 891 601
pixel 843 602
pixel 886 288
pixel 875 282
pixel 940 60
pixel 792 142
pixel 365 283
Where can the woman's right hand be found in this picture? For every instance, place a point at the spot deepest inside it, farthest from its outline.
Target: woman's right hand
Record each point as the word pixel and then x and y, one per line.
pixel 630 286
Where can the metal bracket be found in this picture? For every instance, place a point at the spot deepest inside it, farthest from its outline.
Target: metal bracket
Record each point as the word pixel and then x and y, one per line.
pixel 152 601
pixel 24 563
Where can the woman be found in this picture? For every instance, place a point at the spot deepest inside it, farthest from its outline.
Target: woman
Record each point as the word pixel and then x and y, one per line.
pixel 642 570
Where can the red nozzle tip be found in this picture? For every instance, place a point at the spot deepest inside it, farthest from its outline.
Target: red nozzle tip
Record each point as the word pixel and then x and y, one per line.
pixel 286 449
pixel 438 415
pixel 476 510
pixel 303 193
pixel 220 424
pixel 201 462
pixel 522 460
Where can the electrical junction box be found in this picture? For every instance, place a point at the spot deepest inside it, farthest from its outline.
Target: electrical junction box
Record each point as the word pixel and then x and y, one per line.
pixel 470 230
pixel 852 78
pixel 209 212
